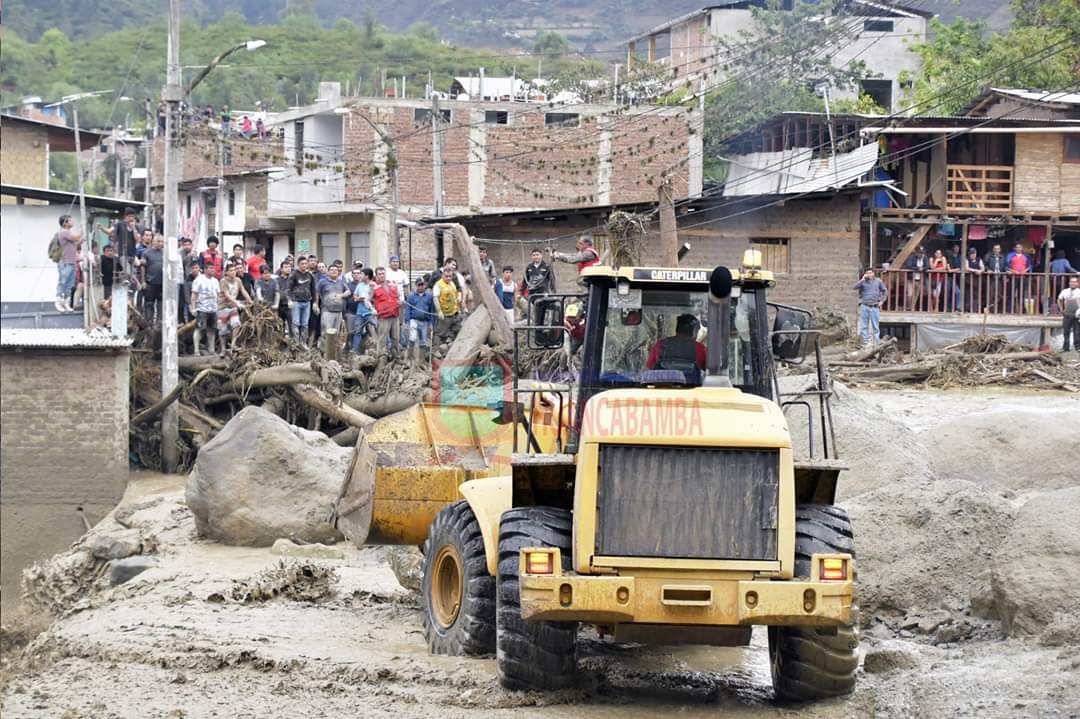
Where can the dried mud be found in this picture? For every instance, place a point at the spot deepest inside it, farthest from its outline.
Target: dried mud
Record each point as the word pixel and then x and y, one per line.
pixel 342 637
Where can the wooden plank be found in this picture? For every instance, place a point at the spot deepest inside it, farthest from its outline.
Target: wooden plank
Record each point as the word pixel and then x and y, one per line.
pixel 916 238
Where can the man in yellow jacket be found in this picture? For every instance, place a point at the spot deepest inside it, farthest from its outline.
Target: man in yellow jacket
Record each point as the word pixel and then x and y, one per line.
pixel 447 296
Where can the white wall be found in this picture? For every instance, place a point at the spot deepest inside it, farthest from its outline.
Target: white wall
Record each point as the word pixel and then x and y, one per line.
pixel 886 55
pixel 298 192
pixel 232 222
pixel 28 273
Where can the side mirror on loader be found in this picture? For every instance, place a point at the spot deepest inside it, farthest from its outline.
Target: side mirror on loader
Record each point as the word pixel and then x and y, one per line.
pixel 546 313
pixel 789 333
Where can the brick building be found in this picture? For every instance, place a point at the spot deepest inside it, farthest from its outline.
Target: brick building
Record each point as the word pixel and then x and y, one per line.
pixel 223 187
pixel 811 243
pixel 27 144
pixel 63 452
pixel 337 191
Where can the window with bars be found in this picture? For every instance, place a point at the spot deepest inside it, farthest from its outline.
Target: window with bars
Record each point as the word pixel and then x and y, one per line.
pixel 774 253
pixel 496 117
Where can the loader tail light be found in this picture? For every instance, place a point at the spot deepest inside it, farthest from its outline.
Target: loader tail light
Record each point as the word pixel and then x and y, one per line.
pixel 833 569
pixel 538 562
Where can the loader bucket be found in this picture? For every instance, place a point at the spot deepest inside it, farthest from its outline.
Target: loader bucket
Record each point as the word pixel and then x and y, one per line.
pixel 407 466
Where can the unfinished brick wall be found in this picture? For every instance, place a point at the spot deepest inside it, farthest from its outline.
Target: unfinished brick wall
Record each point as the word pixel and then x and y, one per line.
pixel 609 157
pixel 25 159
pixel 202 148
pixel 64 424
pixel 823 246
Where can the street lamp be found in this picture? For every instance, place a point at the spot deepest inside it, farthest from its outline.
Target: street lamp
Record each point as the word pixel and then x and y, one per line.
pixel 173 94
pixel 89 311
pixel 250 46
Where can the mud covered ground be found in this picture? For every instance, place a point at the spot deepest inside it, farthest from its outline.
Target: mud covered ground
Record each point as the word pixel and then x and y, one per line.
pixel 189 637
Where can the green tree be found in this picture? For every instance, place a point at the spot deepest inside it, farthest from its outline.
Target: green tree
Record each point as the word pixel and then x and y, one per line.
pixel 1040 51
pixel 774 66
pixel 550 44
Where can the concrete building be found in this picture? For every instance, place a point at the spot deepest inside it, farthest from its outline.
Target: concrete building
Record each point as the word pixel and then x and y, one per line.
pixel 879 34
pixel 63 441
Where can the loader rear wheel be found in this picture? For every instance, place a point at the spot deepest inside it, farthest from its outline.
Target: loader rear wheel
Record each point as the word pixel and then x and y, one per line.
pixel 532 655
pixel 458 592
pixel 810 663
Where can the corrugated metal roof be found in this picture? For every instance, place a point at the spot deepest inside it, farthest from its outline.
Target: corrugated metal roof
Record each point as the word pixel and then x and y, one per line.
pixel 98 338
pixel 1061 98
pixel 796 171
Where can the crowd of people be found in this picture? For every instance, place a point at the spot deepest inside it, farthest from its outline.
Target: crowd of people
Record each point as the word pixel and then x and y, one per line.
pixel 362 309
pixel 243 125
pixel 999 281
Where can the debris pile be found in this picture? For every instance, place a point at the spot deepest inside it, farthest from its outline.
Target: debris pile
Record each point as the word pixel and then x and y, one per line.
pixel 980 360
pixel 327 389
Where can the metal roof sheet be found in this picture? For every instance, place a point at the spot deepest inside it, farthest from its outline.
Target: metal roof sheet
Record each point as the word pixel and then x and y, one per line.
pixel 1062 98
pixel 55 338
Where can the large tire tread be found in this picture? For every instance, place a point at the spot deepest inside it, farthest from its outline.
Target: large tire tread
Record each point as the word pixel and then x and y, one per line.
pixel 809 663
pixel 532 655
pixel 473 632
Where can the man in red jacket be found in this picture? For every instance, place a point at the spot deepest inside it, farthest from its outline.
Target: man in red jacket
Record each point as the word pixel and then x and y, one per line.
pixel 385 299
pixel 212 261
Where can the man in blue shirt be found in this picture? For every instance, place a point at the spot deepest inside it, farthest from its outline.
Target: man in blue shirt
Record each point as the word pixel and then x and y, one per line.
pixel 365 311
pixel 419 314
pixel 872 295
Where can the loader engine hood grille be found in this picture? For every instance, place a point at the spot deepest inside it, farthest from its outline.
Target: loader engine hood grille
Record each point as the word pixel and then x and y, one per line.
pixel 687 502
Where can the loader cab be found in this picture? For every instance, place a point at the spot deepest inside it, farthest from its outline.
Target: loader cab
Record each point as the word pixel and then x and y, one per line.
pixel 646 327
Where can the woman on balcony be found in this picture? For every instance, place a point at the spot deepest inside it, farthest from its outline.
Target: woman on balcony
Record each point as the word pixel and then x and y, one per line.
pixel 939 266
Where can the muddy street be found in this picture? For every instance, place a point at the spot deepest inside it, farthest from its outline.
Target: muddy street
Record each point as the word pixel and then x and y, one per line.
pixel 190 636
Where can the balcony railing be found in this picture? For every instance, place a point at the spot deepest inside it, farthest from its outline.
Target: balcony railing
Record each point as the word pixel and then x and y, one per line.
pixel 978 188
pixel 952 291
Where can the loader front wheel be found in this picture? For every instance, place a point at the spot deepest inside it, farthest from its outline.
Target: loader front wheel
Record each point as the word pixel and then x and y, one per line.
pixel 458 592
pixel 532 655
pixel 810 663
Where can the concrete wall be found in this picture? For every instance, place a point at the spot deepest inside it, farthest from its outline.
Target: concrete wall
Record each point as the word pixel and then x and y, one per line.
pixel 887 55
pixel 308 228
pixel 28 275
pixel 64 428
pixel 25 158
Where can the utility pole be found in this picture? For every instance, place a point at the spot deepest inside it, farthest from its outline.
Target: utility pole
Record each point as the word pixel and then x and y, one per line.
pixel 436 155
pixel 88 283
pixel 170 371
pixel 669 236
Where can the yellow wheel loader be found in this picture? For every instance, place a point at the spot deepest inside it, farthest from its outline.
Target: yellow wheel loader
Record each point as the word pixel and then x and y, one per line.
pixel 656 498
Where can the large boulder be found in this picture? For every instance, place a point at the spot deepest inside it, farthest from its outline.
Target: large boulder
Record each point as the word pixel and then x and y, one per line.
pixel 261 478
pixel 879 450
pixel 998 448
pixel 1036 569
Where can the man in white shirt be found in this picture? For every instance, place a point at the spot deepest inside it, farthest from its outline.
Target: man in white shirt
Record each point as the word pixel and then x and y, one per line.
pixel 204 300
pixel 1069 302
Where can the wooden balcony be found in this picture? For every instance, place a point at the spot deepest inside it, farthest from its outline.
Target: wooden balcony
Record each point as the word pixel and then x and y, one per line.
pixel 981 189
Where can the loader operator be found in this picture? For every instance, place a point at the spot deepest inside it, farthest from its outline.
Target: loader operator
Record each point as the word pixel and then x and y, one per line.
pixel 680 351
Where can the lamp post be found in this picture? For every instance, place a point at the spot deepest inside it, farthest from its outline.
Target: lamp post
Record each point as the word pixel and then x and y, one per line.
pixel 89 311
pixel 173 94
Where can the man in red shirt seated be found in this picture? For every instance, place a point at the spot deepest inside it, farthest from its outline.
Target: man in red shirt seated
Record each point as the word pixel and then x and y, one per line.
pixel 680 351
